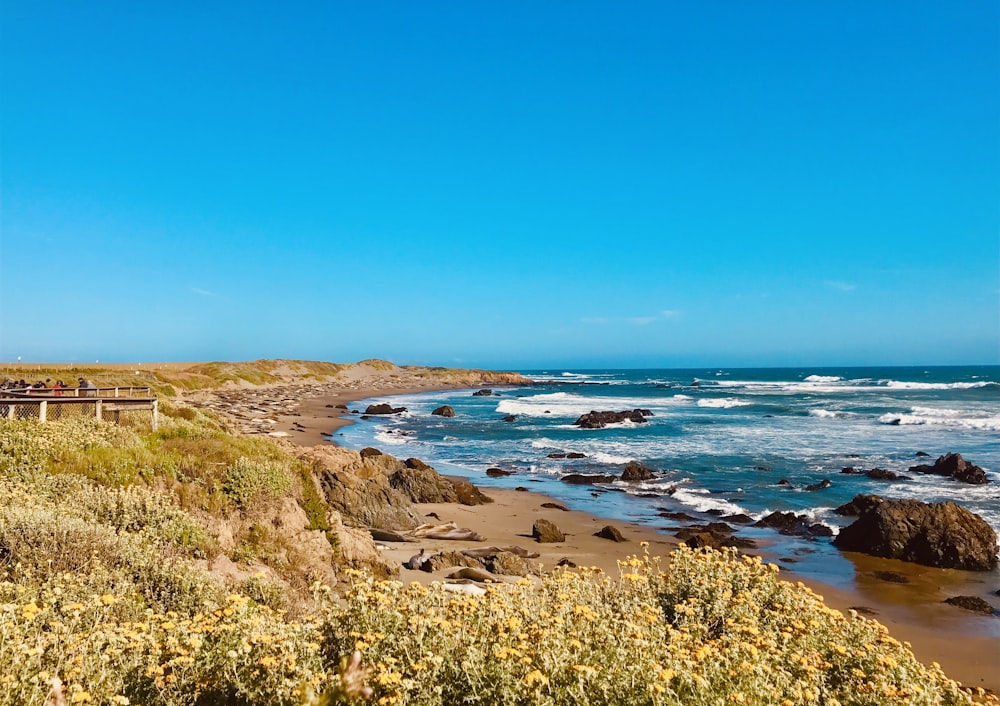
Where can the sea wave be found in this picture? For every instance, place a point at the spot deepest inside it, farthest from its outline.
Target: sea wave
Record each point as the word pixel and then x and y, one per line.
pixel 829 414
pixel 823 378
pixel 902 385
pixel 568 404
pixel 928 416
pixel 723 403
pixel 701 500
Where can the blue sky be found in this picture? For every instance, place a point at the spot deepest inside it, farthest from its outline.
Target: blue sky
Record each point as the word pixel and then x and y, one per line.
pixel 501 184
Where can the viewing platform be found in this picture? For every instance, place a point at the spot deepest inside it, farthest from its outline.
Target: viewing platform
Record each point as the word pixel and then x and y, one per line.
pixel 122 405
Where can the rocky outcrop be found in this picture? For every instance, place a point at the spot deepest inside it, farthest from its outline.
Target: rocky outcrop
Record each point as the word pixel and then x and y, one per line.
pixel 789 523
pixel 482 393
pixel 498 473
pixel 383 409
pixel 510 418
pixel 858 505
pixel 359 489
pixel 822 485
pixel 612 533
pixel 973 603
pixel 636 472
pixel 954 466
pixel 444 411
pixel 944 535
pixel 599 420
pixel 588 478
pixel 422 484
pixel 467 493
pixel 546 532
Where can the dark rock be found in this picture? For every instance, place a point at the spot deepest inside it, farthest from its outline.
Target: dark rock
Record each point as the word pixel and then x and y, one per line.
pixel 787 523
pixel 882 474
pixel 556 506
pixel 599 420
pixel 923 454
pixel 825 483
pixel 369 452
pixel 383 409
pixel 817 529
pixel 568 563
pixel 498 472
pixel 557 455
pixel 715 512
pixel 444 411
pixel 510 418
pixel 973 603
pixel 763 468
pixel 944 535
pixel 895 422
pixel 546 532
pixel 575 454
pixel 677 516
pixel 891 577
pixel 954 466
pixel 859 504
pixel 740 519
pixel 788 560
pixel 635 472
pixel 341 406
pixel 851 471
pixel 467 493
pixel 482 393
pixel 422 484
pixel 783 481
pixel 587 478
pixel 521 489
pixel 609 532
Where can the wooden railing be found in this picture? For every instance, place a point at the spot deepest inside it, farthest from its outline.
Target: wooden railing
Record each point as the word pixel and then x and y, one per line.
pixel 115 404
pixel 144 392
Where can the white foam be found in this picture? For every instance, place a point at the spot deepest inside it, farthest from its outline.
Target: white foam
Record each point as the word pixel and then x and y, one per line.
pixel 602 457
pixel 702 501
pixel 567 404
pixel 829 414
pixel 948 418
pixel 723 403
pixel 823 378
pixel 385 437
pixel 899 385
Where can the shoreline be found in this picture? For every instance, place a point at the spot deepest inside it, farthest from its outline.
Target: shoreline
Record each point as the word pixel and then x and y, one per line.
pixel 912 612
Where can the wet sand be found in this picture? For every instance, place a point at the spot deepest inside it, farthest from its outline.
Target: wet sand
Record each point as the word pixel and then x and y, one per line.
pixel 966 645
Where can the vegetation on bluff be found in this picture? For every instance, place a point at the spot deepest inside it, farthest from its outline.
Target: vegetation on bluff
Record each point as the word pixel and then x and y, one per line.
pixel 105 534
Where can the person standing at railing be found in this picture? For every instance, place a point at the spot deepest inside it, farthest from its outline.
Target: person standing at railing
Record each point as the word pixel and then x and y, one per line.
pixel 58 388
pixel 85 389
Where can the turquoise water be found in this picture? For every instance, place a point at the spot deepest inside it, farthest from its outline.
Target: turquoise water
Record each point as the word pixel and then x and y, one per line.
pixel 711 432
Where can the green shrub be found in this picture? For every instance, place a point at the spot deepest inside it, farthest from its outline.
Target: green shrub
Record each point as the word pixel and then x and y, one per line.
pixel 248 481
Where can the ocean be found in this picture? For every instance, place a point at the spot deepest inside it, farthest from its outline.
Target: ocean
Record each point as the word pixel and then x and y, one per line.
pixel 719 439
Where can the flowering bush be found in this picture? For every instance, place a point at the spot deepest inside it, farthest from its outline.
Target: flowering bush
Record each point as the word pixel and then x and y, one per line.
pixel 715 629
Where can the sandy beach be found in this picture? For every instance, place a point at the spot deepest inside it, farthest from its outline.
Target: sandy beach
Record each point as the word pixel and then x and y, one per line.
pixel 967 646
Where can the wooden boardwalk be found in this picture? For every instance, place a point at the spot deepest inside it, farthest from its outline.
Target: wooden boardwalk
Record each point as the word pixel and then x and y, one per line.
pixel 115 404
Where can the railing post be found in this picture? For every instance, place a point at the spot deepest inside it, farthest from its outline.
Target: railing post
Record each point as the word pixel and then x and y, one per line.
pixel 99 410
pixel 43 408
pixel 156 414
pixel 10 411
pixel 116 392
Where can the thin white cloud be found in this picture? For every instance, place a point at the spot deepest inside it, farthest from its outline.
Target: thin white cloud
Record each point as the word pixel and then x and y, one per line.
pixel 841 286
pixel 202 292
pixel 632 320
